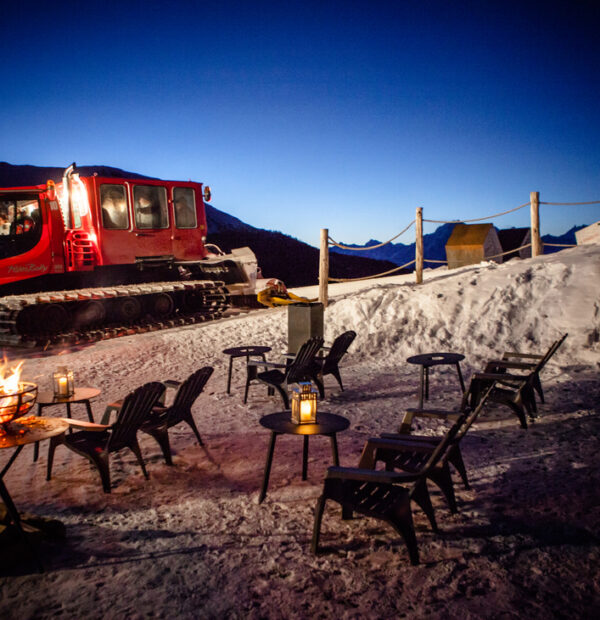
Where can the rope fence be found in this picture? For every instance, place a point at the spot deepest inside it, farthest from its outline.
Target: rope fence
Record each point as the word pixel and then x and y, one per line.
pixel 368 247
pixel 379 275
pixel 536 244
pixel 511 251
pixel 523 247
pixel 571 204
pixel 479 219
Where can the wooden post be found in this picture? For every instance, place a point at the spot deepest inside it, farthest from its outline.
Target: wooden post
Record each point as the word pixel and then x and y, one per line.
pixel 324 266
pixel 536 240
pixel 419 246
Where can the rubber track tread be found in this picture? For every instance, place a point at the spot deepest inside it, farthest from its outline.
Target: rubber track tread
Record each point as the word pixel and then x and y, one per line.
pixel 215 302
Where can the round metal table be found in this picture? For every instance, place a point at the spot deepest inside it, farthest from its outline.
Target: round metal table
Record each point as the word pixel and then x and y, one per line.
pixel 427 360
pixel 327 424
pixel 246 352
pixel 81 395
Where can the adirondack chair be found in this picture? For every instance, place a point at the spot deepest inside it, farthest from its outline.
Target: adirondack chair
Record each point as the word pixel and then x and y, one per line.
pixel 403 452
pixel 99 441
pixel 526 362
pixel 329 364
pixel 279 376
pixel 443 415
pixel 517 391
pixel 161 419
pixel 385 495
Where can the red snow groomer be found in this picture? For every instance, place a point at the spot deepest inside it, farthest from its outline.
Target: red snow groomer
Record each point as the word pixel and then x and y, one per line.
pixel 94 257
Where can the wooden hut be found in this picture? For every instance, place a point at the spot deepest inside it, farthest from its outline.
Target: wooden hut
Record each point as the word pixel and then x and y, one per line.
pixel 589 234
pixel 514 238
pixel 472 243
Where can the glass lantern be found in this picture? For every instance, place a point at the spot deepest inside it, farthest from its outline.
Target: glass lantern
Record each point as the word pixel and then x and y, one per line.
pixel 63 382
pixel 304 403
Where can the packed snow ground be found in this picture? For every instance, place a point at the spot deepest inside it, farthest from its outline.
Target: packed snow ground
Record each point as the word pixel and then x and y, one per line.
pixel 193 541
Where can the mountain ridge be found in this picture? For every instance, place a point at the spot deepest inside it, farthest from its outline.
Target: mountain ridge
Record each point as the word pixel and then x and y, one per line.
pixel 434 246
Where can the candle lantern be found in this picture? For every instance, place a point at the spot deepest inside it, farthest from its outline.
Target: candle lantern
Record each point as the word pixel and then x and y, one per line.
pixel 63 382
pixel 304 404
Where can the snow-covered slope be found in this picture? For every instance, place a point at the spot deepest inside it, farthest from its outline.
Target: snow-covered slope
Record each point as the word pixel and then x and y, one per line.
pixel 479 310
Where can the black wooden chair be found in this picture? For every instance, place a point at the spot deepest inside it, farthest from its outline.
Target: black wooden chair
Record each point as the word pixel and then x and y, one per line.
pixel 385 495
pixel 402 451
pixel 517 389
pixel 329 364
pixel 100 440
pixel 161 419
pixel 279 376
pixel 526 363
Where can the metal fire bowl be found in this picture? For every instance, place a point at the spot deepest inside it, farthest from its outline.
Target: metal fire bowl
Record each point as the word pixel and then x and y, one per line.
pixel 17 404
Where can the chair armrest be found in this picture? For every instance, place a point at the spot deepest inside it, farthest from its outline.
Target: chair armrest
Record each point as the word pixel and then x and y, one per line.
pixel 266 364
pixel 159 409
pixel 531 356
pixel 318 356
pixel 88 426
pixel 442 414
pixel 509 364
pixel 400 444
pixel 110 409
pixel 423 439
pixel 369 475
pixel 500 377
pixel 439 414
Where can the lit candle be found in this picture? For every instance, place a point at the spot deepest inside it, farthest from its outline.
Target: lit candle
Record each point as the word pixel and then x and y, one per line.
pixel 63 388
pixel 305 411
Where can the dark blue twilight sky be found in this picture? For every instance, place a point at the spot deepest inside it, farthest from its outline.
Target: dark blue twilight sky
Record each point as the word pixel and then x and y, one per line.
pixel 344 115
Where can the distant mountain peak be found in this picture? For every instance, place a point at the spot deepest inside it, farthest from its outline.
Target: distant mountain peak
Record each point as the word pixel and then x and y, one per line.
pixel 22 175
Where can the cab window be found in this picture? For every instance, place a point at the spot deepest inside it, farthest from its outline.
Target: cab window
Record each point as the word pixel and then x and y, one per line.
pixel 185 207
pixel 113 200
pixel 20 225
pixel 150 206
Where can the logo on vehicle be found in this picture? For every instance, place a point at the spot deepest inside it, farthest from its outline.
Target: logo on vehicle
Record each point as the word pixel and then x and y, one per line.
pixel 29 268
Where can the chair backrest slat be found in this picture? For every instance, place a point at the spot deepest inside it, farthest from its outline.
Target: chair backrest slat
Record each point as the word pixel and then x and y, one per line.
pixel 338 350
pixel 134 410
pixel 187 393
pixel 456 433
pixel 551 351
pixel 300 367
pixel 442 446
pixel 474 414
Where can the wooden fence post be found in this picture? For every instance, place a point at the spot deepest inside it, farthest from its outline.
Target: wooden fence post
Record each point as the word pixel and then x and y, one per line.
pixel 536 240
pixel 419 246
pixel 324 266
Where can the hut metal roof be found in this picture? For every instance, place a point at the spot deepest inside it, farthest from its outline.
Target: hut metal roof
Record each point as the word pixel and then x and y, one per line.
pixel 469 234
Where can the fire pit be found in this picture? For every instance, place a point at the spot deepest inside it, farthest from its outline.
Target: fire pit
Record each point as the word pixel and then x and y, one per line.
pixel 16 404
pixel 16 397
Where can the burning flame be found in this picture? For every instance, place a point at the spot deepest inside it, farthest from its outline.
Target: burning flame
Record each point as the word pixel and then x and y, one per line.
pixel 10 378
pixel 11 402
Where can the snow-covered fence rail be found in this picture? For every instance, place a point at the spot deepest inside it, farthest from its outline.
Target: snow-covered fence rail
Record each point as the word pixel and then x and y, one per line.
pixel 536 242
